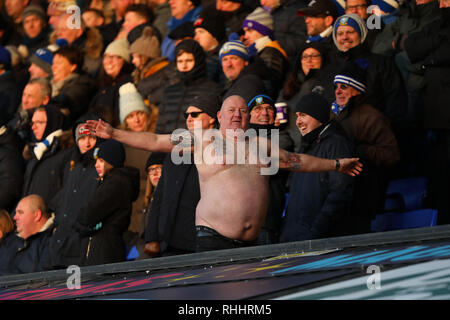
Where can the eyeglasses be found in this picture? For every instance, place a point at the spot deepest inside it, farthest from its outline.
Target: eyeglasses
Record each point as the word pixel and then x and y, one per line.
pixel 341 86
pixel 155 170
pixel 310 56
pixel 357 6
pixel 193 114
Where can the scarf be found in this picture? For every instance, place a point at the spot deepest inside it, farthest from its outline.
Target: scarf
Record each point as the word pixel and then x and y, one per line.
pixel 41 147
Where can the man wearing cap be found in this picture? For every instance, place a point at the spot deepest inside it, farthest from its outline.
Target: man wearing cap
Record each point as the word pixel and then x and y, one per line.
pixel 171 224
pixel 375 142
pixel 233 203
pixel 319 203
pixel 258 28
pixel 209 31
pixel 35 27
pixel 319 18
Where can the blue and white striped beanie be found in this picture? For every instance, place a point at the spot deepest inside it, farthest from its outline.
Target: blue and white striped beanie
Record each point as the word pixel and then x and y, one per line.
pixel 351 20
pixel 386 5
pixel 353 76
pixel 234 47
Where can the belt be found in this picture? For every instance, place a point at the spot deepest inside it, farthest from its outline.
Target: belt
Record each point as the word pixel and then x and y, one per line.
pixel 203 231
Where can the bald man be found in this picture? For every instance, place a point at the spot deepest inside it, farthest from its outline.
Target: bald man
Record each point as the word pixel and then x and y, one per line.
pixel 234 195
pixel 26 250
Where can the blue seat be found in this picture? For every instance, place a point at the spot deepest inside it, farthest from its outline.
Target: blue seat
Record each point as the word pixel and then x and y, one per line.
pixel 404 220
pixel 406 194
pixel 132 254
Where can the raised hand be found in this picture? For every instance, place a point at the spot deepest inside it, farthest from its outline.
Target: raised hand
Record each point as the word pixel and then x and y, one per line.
pixel 100 128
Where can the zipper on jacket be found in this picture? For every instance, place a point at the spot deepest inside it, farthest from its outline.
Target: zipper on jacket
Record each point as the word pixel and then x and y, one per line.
pixel 88 248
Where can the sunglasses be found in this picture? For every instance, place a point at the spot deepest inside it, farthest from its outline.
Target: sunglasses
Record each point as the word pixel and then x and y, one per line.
pixel 193 114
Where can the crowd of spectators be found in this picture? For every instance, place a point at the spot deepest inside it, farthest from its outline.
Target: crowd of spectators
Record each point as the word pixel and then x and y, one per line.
pixel 359 78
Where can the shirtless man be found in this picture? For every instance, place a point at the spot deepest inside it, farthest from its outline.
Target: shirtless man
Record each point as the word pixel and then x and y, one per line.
pixel 234 197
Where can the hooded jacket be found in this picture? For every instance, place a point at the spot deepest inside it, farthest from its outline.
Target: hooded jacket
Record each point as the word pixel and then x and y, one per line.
pixel 45 164
pixel 106 217
pixel 192 83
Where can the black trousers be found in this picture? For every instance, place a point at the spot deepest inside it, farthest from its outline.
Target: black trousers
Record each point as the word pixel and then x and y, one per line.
pixel 209 239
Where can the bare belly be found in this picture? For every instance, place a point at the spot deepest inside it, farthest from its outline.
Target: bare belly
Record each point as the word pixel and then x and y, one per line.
pixel 234 200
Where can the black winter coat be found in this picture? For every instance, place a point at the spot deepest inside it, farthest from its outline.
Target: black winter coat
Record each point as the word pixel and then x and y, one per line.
pixel 319 203
pixel 431 48
pixel 45 176
pixel 106 217
pixel 11 171
pixel 9 96
pixel 20 255
pixel 171 218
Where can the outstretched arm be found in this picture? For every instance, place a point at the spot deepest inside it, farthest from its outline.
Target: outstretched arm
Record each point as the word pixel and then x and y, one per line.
pixel 306 163
pixel 142 140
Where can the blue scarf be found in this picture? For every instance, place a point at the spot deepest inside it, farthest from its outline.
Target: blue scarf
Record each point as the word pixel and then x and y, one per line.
pixel 336 108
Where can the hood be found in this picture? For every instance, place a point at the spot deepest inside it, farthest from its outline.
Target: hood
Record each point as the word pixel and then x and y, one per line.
pixel 199 70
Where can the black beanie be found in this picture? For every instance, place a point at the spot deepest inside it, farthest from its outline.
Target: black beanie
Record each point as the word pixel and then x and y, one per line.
pixel 316 106
pixel 155 158
pixel 208 103
pixel 111 151
pixel 212 21
pixel 184 30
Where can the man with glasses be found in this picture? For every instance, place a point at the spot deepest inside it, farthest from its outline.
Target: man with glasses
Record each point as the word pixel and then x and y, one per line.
pixel 374 141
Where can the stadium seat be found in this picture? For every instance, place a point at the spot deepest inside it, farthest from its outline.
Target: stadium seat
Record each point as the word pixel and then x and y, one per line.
pixel 132 254
pixel 404 220
pixel 406 194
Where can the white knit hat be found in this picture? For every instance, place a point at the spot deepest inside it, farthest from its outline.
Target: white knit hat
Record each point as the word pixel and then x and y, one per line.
pixel 119 47
pixel 130 100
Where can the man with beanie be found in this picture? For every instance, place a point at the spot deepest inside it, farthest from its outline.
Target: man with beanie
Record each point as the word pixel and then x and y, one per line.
pixel 385 87
pixel 374 140
pixel 171 224
pixel 319 203
pixel 242 79
pixel 34 21
pixel 102 223
pixel 210 33
pixel 258 28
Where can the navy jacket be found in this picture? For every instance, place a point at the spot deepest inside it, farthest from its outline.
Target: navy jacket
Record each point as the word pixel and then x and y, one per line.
pixel 319 203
